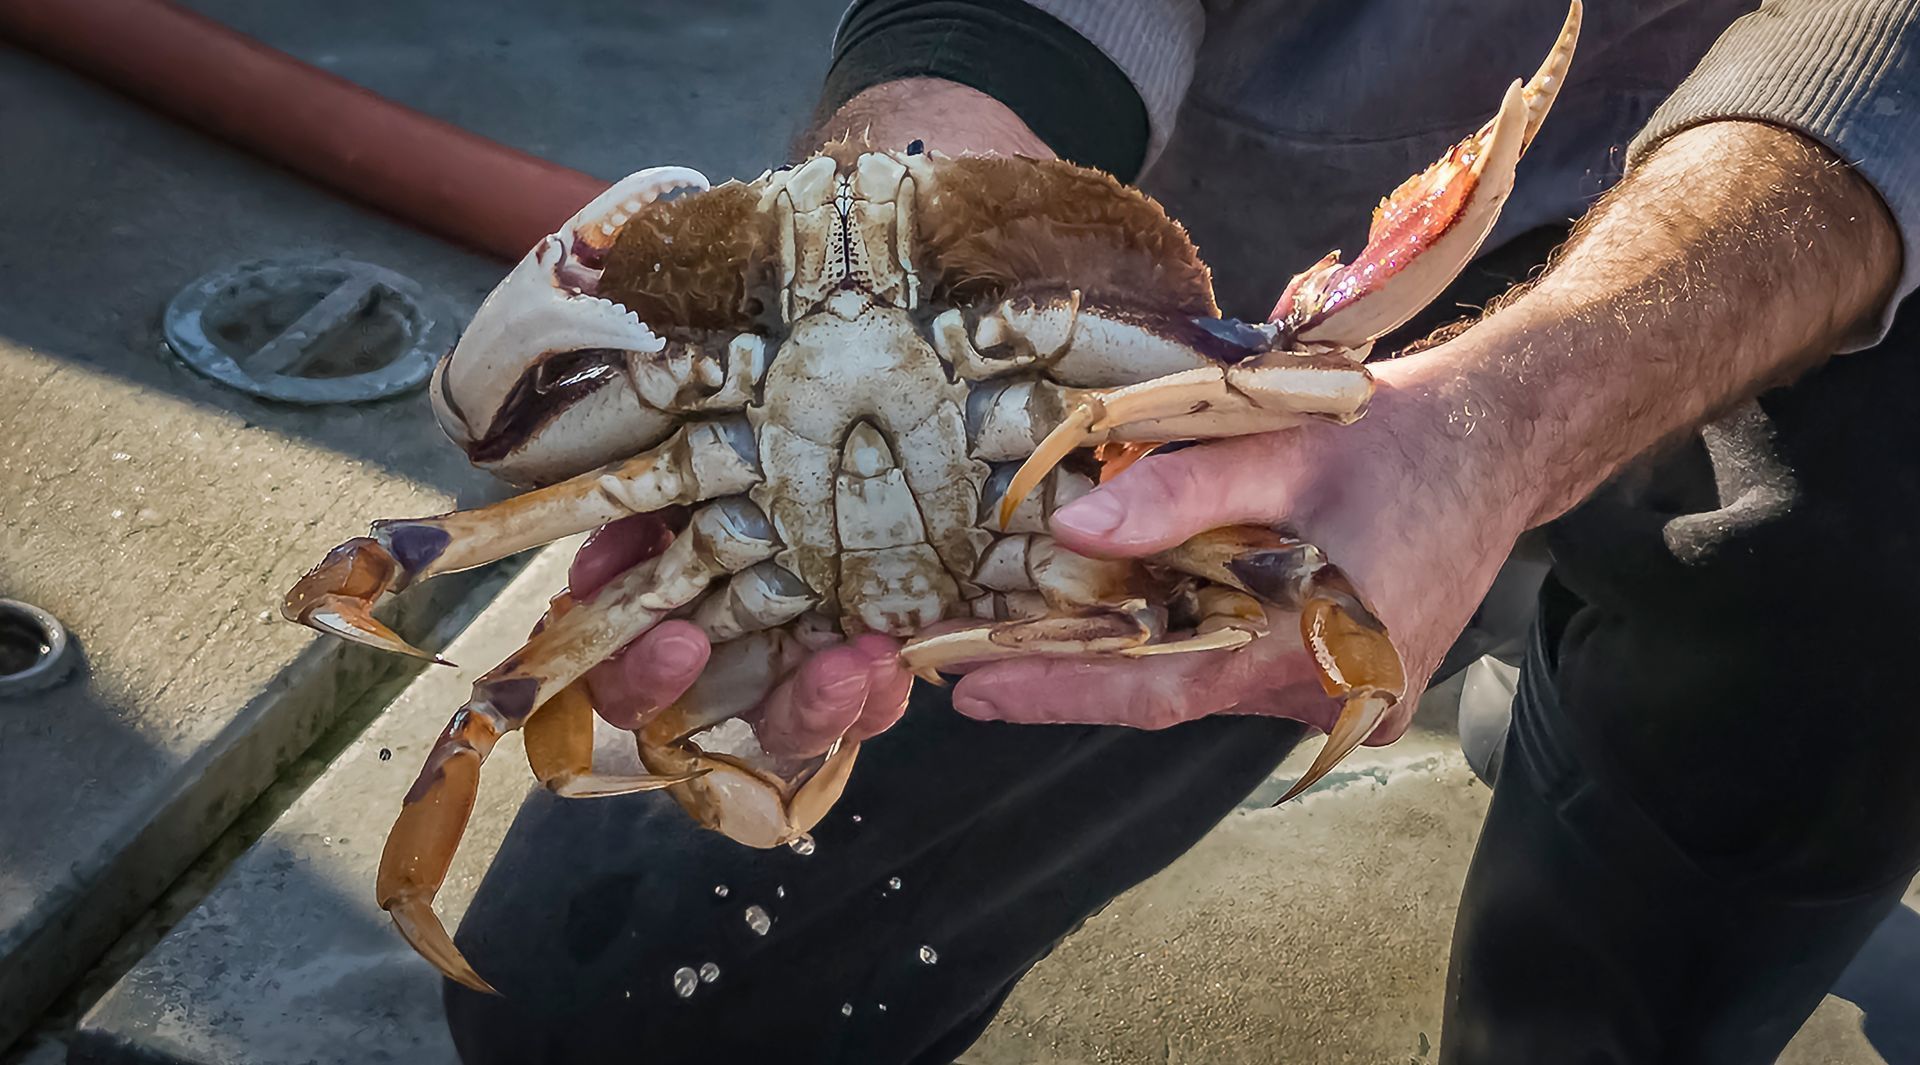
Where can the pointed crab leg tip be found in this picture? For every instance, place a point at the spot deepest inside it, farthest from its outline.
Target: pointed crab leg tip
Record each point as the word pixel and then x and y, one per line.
pixel 357 626
pixel 1358 718
pixel 1058 444
pixel 929 673
pixel 424 933
pixel 597 786
pixel 1221 640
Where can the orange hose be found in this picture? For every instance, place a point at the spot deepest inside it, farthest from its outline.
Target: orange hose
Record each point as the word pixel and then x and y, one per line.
pixel 455 184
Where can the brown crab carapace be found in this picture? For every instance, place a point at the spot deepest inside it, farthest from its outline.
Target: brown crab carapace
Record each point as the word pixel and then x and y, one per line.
pixel 865 382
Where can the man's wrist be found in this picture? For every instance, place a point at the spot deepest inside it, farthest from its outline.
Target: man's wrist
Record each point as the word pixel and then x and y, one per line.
pixel 1738 256
pixel 944 116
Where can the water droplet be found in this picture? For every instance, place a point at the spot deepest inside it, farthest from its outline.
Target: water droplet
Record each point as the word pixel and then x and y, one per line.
pixel 780 891
pixel 927 954
pixel 846 1009
pixel 893 883
pixel 386 754
pixel 719 891
pixel 802 845
pixel 709 972
pixel 758 920
pixel 685 982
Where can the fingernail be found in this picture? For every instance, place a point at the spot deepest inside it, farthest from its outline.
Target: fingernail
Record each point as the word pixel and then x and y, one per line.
pixel 975 707
pixel 1092 515
pixel 677 655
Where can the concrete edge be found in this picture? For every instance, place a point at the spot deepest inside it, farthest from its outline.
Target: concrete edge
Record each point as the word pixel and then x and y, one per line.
pixel 306 699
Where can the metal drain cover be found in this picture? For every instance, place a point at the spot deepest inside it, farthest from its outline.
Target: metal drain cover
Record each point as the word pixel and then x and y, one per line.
pixel 311 331
pixel 35 651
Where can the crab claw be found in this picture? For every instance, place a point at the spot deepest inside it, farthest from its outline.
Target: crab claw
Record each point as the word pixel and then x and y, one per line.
pixel 1430 227
pixel 542 335
pixel 337 596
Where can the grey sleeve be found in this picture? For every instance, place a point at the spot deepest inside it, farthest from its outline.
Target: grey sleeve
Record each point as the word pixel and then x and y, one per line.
pixel 1844 72
pixel 1153 42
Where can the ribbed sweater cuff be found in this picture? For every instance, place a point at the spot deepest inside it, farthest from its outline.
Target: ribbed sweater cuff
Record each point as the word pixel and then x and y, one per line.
pixel 1065 89
pixel 1844 72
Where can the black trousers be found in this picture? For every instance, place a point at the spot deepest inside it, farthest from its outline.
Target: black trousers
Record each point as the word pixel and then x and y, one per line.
pixel 1585 935
pixel 1588 936
pixel 985 843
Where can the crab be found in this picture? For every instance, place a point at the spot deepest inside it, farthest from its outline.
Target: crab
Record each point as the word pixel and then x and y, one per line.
pixel 866 381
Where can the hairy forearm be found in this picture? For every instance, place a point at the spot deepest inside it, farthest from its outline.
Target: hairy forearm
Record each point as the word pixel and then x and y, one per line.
pixel 944 116
pixel 1737 256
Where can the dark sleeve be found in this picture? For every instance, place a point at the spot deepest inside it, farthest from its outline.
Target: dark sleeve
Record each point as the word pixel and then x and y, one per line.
pixel 1843 72
pixel 1065 89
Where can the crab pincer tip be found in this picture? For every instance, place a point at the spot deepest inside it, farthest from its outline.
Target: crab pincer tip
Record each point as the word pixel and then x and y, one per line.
pixel 350 620
pixel 425 934
pixel 1361 714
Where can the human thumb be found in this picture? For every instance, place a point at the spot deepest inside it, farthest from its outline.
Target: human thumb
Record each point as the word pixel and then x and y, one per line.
pixel 1165 500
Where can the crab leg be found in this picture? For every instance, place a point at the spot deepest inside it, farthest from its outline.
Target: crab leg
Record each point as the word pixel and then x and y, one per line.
pixel 700 461
pixel 1355 658
pixel 1115 628
pixel 559 744
pixel 724 537
pixel 1045 599
pixel 559 740
pixel 1271 391
pixel 1088 606
pixel 740 794
pixel 1430 227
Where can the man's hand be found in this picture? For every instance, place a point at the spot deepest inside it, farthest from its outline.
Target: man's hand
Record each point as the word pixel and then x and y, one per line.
pixel 1738 255
pixel 1414 505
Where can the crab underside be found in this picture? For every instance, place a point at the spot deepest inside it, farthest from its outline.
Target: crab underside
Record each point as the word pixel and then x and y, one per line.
pixel 871 378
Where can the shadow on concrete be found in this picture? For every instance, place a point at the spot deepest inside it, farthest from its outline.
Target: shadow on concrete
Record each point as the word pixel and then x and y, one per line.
pixel 280 964
pixel 110 809
pixel 1884 982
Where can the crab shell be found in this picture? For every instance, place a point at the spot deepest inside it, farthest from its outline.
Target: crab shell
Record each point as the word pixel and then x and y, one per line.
pixel 871 378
